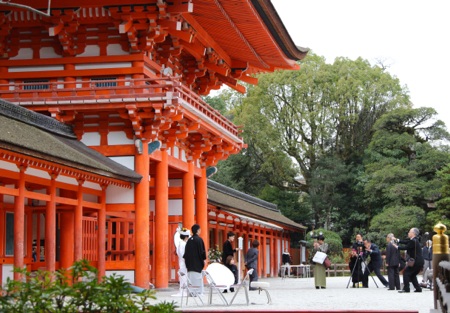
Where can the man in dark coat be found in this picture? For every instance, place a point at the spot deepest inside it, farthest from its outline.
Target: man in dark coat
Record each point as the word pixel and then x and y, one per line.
pixel 195 256
pixel 427 253
pixel 392 263
pixel 228 248
pixel 414 250
pixel 251 262
pixel 374 265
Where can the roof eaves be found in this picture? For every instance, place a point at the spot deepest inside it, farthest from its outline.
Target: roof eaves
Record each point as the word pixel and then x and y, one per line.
pixel 272 20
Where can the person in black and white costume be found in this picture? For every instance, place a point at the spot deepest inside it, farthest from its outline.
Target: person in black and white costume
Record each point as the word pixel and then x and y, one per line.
pixel 195 257
pixel 184 236
pixel 286 260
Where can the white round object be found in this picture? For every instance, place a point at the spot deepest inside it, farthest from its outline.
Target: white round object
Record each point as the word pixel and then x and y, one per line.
pixel 221 274
pixel 176 239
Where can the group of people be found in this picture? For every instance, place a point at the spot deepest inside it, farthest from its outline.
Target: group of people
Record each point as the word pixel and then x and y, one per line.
pixel 420 258
pixel 191 254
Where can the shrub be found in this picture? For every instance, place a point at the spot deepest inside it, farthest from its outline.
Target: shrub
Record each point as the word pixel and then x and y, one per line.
pixel 77 289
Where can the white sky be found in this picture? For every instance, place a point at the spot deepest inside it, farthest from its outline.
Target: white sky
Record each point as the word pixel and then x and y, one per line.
pixel 415 35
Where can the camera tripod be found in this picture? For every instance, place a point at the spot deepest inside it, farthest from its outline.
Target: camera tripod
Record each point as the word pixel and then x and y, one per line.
pixel 359 258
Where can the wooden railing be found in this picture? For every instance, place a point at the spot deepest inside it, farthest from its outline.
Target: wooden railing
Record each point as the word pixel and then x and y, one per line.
pixel 126 90
pixel 442 286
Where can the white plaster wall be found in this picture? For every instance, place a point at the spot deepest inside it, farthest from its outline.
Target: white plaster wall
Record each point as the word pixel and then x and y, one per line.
pixel 89 66
pixel 90 51
pixel 127 161
pixel 7 271
pixel 115 194
pixel 91 139
pixel 128 275
pixel 115 49
pixel 183 156
pixel 43 68
pixel 175 207
pixel 37 173
pixel 119 138
pixel 176 152
pixel 67 180
pixel 175 182
pixel 90 198
pixel 24 54
pixel 48 53
pixel 6 198
pixel 9 166
pixel 92 185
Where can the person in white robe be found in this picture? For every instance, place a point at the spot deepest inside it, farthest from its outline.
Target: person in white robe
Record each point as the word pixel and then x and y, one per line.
pixel 184 236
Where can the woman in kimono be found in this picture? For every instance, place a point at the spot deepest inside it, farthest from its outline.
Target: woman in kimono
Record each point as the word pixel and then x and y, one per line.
pixel 184 236
pixel 319 269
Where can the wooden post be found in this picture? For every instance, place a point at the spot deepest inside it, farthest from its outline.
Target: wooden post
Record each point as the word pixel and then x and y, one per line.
pixel 162 222
pixel 78 224
pixel 216 231
pixel 188 197
pixel 101 226
pixel 142 232
pixel 440 253
pixel 50 227
pixel 264 257
pixel 202 206
pixel 67 233
pixel 19 217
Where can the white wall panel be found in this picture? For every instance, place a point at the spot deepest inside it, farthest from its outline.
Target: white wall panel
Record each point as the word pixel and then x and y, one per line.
pixel 37 173
pixel 6 198
pixel 9 166
pixel 91 139
pixel 42 68
pixel 115 49
pixel 89 66
pixel 128 275
pixel 92 185
pixel 127 161
pixel 24 54
pixel 175 207
pixel 48 53
pixel 176 152
pixel 67 180
pixel 90 51
pixel 115 194
pixel 119 138
pixel 175 182
pixel 7 271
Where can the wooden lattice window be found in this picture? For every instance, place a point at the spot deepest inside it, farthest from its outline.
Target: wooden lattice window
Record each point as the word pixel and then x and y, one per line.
pixel 38 85
pixel 105 84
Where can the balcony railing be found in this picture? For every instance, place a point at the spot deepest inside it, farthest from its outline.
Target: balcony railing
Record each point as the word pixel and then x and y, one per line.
pixel 97 91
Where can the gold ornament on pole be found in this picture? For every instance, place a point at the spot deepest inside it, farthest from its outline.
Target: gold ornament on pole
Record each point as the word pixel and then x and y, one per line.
pixel 440 241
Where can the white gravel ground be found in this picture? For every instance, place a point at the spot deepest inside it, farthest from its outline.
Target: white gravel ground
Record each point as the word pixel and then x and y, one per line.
pixel 300 294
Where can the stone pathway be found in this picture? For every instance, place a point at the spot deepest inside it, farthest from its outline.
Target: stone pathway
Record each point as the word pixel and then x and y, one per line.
pixel 300 294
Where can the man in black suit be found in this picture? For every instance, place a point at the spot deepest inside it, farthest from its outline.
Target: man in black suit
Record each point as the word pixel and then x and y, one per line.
pixel 374 265
pixel 392 263
pixel 414 250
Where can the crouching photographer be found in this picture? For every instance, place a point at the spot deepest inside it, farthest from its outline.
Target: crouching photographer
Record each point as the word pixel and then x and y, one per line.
pixel 374 265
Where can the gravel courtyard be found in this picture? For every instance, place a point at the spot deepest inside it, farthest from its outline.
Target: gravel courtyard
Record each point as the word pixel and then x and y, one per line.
pixel 300 294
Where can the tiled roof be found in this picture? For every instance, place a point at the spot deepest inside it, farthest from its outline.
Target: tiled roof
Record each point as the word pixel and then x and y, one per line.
pixel 36 135
pixel 234 201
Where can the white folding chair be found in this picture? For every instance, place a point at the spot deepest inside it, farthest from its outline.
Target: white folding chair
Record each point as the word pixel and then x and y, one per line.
pixel 191 290
pixel 214 287
pixel 244 285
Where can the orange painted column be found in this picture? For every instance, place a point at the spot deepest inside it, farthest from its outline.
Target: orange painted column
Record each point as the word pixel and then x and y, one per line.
pixel 78 224
pixel 272 260
pixel 66 233
pixel 216 231
pixel 19 218
pixel 188 196
pixel 264 244
pixel 142 224
pixel 260 252
pixel 101 223
pixel 69 67
pixel 202 207
pixel 50 227
pixel 162 222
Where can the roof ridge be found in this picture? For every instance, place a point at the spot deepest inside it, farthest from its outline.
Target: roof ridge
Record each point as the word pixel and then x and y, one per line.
pixel 243 196
pixel 35 119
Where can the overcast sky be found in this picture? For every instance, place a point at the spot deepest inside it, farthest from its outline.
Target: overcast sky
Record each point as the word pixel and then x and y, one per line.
pixel 414 35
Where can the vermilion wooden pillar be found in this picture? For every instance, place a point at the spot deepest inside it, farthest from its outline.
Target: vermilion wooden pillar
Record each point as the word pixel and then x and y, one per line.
pixel 188 196
pixel 202 206
pixel 216 231
pixel 162 222
pixel 78 226
pixel 101 226
pixel 19 218
pixel 142 201
pixel 66 233
pixel 272 259
pixel 260 252
pixel 50 227
pixel 264 244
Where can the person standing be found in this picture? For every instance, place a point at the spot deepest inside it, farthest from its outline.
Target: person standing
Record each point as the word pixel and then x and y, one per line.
pixel 356 259
pixel 181 248
pixel 392 263
pixel 251 262
pixel 34 254
pixel 195 256
pixel 320 276
pixel 427 253
pixel 374 265
pixel 286 260
pixel 412 247
pixel 228 247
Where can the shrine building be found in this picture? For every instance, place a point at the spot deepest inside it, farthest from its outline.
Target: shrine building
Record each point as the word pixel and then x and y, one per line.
pixel 106 145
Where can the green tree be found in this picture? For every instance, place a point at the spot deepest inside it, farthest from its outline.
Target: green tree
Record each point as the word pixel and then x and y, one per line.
pixel 442 212
pixel 401 168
